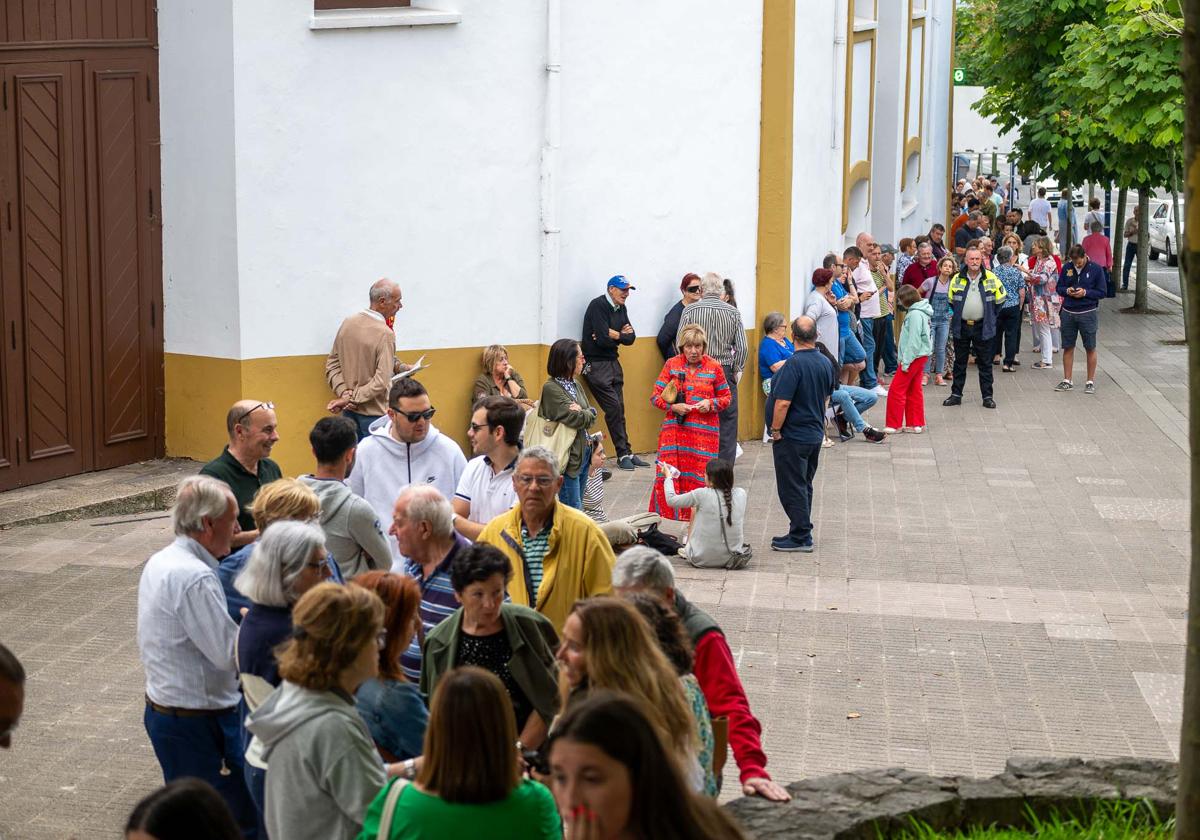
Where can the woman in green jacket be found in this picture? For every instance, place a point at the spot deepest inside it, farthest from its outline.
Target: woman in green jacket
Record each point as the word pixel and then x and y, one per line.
pixel 564 401
pixel 513 642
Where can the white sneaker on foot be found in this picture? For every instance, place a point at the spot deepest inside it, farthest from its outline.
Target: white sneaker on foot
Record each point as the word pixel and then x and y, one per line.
pixel 881 391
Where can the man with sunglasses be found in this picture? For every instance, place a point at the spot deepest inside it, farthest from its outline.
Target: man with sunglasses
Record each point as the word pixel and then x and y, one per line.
pixel 244 465
pixel 405 448
pixel 486 488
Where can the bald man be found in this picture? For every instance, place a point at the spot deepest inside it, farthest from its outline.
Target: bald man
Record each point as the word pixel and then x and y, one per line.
pixel 244 465
pixel 868 309
pixel 363 360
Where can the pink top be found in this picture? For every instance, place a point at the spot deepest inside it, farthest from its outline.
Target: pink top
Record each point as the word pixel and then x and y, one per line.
pixel 1099 249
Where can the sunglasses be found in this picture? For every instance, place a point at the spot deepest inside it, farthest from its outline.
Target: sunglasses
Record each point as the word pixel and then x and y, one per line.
pixel 475 427
pixel 414 416
pixel 270 406
pixel 691 290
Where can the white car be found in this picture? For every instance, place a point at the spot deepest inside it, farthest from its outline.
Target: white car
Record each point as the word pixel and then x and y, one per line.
pixel 1054 194
pixel 1162 231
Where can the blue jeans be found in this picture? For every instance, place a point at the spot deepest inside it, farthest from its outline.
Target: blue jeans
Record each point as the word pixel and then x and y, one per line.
pixel 571 493
pixel 854 401
pixel 867 375
pixel 936 362
pixel 1130 256
pixel 795 466
pixel 363 421
pixel 201 747
pixel 890 361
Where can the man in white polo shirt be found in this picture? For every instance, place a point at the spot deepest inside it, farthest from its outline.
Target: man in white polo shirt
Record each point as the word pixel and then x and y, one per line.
pixel 485 489
pixel 869 310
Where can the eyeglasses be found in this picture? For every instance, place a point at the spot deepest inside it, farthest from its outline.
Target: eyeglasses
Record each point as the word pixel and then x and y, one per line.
pixel 323 563
pixel 270 406
pixel 414 416
pixel 692 290
pixel 540 480
pixel 475 427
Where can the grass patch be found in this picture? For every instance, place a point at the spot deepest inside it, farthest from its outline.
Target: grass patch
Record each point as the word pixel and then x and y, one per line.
pixel 1109 821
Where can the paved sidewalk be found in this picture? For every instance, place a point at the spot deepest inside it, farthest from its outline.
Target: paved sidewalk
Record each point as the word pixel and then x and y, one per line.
pixel 1012 582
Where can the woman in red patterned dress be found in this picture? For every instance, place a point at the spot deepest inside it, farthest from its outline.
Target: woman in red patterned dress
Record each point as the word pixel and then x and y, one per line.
pixel 691 389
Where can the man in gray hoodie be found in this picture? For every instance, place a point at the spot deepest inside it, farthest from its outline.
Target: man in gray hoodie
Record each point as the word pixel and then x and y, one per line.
pixel 405 448
pixel 352 532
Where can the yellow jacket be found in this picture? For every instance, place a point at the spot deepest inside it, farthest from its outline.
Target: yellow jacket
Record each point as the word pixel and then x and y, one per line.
pixel 578 563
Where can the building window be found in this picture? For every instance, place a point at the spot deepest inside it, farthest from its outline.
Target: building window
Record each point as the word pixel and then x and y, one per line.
pixel 914 89
pixel 860 104
pixel 330 5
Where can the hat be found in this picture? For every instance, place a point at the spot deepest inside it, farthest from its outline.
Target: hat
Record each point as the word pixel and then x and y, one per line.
pixel 620 282
pixel 888 248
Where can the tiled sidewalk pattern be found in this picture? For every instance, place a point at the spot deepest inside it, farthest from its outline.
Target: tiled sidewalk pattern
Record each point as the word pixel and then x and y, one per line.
pixel 1013 582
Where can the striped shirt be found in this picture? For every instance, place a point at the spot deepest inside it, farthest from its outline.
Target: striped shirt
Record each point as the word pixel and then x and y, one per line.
pixel 437 604
pixel 535 553
pixel 722 325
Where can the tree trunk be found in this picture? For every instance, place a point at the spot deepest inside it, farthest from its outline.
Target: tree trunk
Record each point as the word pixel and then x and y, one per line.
pixel 1118 231
pixel 1141 293
pixel 1183 289
pixel 1187 807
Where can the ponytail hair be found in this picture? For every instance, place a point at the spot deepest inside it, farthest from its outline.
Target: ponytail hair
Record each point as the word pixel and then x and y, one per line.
pixel 720 475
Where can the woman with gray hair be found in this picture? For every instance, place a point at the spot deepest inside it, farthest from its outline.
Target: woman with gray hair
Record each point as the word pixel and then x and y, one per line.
pixel 773 351
pixel 287 561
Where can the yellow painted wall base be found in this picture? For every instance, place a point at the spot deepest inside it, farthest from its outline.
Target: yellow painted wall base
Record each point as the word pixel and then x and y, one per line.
pixel 200 389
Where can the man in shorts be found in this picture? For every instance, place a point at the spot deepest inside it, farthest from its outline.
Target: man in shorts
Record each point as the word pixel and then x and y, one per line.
pixel 1082 286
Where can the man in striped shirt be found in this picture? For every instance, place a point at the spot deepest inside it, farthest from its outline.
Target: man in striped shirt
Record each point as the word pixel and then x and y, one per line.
pixel 726 334
pixel 423 525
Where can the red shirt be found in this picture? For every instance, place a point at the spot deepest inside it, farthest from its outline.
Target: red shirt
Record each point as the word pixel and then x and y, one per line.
pixel 1098 249
pixel 916 274
pixel 718 678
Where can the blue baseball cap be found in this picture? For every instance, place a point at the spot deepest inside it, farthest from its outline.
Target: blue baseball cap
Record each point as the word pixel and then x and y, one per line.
pixel 620 282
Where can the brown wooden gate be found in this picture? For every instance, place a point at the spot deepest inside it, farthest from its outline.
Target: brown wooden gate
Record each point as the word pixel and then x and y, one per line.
pixel 80 238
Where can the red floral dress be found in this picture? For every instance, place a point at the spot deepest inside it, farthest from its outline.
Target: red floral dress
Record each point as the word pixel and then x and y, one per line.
pixel 688 442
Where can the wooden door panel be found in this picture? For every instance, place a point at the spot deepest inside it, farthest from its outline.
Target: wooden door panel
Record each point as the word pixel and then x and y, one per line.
pixel 48 166
pixel 122 323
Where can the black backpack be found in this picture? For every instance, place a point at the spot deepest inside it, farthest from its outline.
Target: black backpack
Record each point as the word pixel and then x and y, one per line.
pixel 660 542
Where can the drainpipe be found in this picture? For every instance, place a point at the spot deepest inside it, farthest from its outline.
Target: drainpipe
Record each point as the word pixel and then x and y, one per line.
pixel 551 142
pixel 840 12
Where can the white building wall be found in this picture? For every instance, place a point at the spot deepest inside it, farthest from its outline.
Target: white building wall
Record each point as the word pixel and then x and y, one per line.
pixel 199 207
pixel 975 133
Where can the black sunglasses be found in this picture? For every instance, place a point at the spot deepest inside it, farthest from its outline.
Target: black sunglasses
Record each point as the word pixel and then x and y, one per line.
pixel 414 416
pixel 692 289
pixel 270 406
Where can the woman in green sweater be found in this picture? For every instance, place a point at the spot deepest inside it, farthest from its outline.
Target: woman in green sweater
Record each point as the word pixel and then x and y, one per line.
pixel 469 784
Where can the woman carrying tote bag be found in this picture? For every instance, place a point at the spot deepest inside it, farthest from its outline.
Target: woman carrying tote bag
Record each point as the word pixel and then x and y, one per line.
pixel 564 402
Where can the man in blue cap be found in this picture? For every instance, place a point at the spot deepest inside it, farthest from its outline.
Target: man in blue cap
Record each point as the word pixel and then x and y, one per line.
pixel 605 328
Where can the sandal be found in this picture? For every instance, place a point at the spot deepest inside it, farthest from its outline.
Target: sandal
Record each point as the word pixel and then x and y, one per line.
pixel 1008 368
pixel 939 380
pixel 925 380
pixel 1041 366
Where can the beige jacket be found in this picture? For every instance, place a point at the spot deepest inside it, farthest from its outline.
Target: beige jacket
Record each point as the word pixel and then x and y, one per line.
pixel 363 360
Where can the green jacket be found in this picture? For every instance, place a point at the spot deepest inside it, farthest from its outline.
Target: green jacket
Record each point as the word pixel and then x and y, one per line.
pixel 533 641
pixel 915 339
pixel 553 406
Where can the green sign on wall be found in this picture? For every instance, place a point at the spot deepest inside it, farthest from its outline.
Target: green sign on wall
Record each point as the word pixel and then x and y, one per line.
pixel 960 76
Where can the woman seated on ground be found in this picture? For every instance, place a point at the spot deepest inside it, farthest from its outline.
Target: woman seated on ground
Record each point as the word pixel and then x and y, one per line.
pixel 718 510
pixel 323 769
pixel 612 778
pixel 287 561
pixel 512 641
pixel 607 644
pixel 499 379
pixel 392 707
pixel 470 783
pixel 691 390
pixel 284 500
pixel 675 645
pixel 185 809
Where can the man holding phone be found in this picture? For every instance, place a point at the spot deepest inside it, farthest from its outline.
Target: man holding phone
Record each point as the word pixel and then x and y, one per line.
pixel 1084 286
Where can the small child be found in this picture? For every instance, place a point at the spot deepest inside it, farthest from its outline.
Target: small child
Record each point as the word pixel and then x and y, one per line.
pixel 718 510
pixel 906 399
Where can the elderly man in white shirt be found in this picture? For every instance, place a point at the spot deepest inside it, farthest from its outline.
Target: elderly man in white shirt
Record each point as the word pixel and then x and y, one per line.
pixel 186 640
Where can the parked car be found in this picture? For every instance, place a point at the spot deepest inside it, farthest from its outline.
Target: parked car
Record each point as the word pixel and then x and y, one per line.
pixel 1054 194
pixel 1162 231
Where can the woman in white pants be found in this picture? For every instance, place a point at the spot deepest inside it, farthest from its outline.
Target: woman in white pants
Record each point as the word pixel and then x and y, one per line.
pixel 1044 300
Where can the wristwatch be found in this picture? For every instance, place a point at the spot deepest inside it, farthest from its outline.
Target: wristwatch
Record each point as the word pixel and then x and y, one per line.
pixel 409 768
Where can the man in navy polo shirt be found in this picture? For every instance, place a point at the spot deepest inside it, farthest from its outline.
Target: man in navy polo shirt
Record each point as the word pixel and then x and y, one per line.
pixel 1082 285
pixel 796 412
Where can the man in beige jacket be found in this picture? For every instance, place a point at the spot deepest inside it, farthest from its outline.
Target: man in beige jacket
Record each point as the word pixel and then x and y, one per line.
pixel 363 359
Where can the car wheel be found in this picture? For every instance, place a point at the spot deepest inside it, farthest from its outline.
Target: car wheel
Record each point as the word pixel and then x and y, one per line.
pixel 1153 253
pixel 1172 258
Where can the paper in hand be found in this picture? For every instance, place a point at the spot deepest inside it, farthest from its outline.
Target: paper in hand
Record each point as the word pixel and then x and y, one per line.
pixel 420 365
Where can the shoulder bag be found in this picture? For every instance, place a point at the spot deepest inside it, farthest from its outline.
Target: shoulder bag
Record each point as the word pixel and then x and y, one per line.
pixel 389 808
pixel 553 435
pixel 737 559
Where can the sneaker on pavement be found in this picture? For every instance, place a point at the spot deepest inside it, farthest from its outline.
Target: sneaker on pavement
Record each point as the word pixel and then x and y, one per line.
pixel 888 430
pixel 874 435
pixel 791 545
pixel 881 391
pixel 1089 388
pixel 638 462
pixel 1065 385
pixel 625 462
pixel 916 430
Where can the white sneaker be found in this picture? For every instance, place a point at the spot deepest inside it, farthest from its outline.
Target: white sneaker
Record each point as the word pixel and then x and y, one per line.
pixel 916 430
pixel 881 391
pixel 889 431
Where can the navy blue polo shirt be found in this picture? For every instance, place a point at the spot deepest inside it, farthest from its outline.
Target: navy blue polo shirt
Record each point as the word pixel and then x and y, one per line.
pixel 807 380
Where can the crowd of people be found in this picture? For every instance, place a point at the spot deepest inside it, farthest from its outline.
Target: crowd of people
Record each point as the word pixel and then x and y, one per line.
pixel 503 657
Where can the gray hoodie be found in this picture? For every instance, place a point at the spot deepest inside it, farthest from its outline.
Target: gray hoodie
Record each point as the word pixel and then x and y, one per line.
pixel 322 767
pixel 352 532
